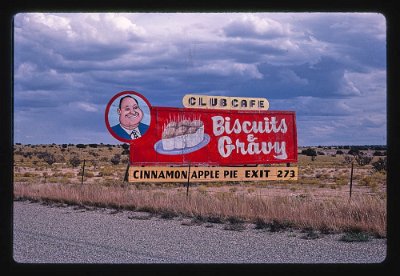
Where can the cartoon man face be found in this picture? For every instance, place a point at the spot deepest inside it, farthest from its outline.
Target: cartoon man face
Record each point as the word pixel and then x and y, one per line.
pixel 130 113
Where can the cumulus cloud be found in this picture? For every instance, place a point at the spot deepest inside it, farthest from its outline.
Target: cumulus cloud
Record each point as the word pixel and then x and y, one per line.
pixel 347 86
pixel 325 66
pixel 314 106
pixel 227 68
pixel 255 26
pixel 88 107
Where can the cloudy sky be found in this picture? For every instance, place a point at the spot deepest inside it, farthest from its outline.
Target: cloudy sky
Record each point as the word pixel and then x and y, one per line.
pixel 330 68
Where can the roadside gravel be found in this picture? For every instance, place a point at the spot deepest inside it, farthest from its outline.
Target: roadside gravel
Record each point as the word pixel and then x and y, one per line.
pixel 75 234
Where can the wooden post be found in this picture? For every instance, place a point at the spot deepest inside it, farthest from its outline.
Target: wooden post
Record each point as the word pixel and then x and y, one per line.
pixel 83 170
pixel 351 179
pixel 126 178
pixel 188 183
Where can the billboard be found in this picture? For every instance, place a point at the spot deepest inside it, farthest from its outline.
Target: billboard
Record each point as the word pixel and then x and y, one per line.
pixel 216 137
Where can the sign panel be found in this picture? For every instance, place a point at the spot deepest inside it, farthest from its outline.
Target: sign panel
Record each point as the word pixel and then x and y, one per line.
pixel 208 174
pixel 216 137
pixel 223 102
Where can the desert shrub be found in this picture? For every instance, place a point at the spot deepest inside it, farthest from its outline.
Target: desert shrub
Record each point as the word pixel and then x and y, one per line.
pixel 41 154
pixel 106 171
pixel 74 161
pixel 125 146
pixel 58 174
pixel 94 163
pixel 29 174
pixel 93 145
pixel 373 180
pixel 202 189
pixel 309 152
pixel 21 179
pixel 53 179
pixel 378 153
pixel 64 180
pixel 81 146
pixel 310 181
pixel 380 165
pixel 323 175
pixel 49 159
pixel 116 159
pixel 363 160
pixel 354 151
pixel 339 152
pixel 69 175
pixel 89 174
pixel 347 159
pixel 94 154
pixel 125 152
pixel 341 181
pixel 104 159
pixel 60 157
pixel 27 154
pixel 366 181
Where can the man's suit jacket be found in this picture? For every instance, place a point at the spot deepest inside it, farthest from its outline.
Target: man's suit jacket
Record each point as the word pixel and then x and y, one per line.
pixel 123 134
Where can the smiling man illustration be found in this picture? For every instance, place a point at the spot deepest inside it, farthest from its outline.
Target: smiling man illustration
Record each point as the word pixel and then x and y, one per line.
pixel 130 116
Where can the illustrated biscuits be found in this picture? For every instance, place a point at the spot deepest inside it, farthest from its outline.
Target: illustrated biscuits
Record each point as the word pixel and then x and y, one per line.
pixel 182 134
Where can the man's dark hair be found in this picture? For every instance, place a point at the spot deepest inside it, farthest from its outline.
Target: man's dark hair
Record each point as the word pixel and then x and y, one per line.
pixel 128 96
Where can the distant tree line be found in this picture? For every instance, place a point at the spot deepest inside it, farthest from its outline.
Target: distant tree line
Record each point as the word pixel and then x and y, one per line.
pixel 355 154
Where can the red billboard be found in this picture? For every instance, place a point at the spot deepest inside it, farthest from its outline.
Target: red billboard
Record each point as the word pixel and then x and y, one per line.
pixel 213 137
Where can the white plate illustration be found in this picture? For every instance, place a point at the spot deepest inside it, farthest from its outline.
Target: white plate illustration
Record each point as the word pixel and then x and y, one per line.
pixel 158 147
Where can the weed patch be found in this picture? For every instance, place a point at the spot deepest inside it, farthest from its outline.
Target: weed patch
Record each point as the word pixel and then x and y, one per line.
pixel 213 219
pixel 310 234
pixel 167 214
pixel 235 227
pixel 355 237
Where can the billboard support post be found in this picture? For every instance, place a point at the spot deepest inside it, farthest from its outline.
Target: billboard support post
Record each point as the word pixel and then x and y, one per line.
pixel 188 183
pixel 126 177
pixel 83 170
pixel 351 179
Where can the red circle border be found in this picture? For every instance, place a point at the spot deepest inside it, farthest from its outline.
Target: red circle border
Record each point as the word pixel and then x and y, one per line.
pixel 108 110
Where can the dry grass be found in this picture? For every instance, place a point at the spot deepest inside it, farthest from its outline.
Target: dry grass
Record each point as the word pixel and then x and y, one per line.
pixel 362 213
pixel 318 200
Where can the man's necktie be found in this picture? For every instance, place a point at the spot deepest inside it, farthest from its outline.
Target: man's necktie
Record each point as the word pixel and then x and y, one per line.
pixel 134 134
